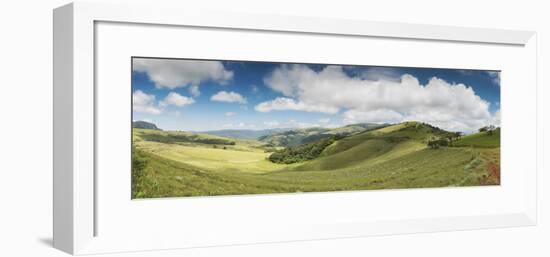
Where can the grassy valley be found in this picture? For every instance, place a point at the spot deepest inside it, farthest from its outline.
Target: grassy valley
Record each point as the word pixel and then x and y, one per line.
pixel 353 157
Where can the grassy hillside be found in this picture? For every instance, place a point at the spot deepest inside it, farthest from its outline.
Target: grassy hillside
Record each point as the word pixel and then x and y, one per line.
pixel 396 156
pixel 166 177
pixel 482 139
pixel 390 141
pixel 174 137
pixel 243 155
pixel 354 128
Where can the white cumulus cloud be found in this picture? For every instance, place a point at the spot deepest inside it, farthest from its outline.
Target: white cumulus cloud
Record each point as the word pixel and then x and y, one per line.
pixel 176 99
pixel 142 102
pixel 285 103
pixel 374 116
pixel 228 97
pixel 146 103
pixel 173 73
pixel 376 99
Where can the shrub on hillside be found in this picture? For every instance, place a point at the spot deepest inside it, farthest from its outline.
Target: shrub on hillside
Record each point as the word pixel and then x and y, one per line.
pixel 436 143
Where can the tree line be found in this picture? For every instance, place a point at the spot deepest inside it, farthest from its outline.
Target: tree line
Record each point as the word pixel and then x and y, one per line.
pixel 303 152
pixel 447 138
pixel 186 138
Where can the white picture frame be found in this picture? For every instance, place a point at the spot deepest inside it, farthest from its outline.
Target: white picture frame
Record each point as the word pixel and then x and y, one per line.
pixel 77 186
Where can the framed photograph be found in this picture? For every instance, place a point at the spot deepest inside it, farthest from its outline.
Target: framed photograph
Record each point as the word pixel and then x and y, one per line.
pixel 178 128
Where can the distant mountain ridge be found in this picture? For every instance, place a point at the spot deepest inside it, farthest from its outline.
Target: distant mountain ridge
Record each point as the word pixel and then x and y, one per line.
pixel 280 136
pixel 296 137
pixel 144 125
pixel 244 133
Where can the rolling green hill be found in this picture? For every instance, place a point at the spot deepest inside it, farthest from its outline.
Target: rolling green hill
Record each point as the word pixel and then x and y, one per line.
pixel 391 141
pixel 391 156
pixel 481 139
pixel 175 137
pixel 355 128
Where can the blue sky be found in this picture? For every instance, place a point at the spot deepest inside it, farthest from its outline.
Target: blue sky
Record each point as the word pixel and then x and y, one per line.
pixel 199 95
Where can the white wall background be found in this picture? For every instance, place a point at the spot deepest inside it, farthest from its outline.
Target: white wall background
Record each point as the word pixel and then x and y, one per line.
pixel 26 128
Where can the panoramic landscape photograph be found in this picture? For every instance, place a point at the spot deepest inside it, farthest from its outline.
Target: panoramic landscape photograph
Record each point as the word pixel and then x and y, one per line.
pixel 222 127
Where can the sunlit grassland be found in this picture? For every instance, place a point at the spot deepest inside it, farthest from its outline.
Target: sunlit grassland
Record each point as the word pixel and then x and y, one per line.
pixel 386 158
pixel 215 159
